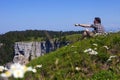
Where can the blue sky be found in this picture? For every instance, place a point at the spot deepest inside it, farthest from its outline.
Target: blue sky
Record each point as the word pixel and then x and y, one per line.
pixel 57 14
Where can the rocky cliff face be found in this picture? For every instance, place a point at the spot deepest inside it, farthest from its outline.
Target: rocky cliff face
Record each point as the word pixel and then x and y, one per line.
pixel 28 50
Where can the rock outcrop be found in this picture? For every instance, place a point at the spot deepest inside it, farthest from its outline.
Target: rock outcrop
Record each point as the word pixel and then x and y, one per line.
pixel 26 51
pixel 20 59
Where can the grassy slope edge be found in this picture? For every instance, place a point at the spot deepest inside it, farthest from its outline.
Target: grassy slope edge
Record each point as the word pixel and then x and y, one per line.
pixel 71 63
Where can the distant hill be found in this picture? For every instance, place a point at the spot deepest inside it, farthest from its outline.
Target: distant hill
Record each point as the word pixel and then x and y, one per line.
pixel 80 61
pixel 8 39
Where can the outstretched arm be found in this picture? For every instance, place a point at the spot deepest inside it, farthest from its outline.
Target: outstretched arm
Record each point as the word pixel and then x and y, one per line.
pixel 83 25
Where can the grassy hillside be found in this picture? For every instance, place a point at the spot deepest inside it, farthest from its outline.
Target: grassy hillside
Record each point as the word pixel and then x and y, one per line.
pixel 73 63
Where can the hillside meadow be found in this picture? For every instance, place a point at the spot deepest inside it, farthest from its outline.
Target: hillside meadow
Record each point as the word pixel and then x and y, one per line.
pixel 95 58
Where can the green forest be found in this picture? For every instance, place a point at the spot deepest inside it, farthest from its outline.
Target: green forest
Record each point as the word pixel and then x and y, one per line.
pixel 8 39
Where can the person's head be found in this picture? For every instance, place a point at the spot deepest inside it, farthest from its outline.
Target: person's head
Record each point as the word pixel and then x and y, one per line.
pixel 97 20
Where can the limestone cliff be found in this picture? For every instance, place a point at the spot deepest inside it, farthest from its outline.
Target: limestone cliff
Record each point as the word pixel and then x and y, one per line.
pixel 29 50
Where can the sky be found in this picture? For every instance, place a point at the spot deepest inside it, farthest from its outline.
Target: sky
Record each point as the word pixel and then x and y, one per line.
pixel 57 15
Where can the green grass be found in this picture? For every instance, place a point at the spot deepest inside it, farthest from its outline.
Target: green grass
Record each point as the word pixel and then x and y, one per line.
pixel 61 64
pixel 73 38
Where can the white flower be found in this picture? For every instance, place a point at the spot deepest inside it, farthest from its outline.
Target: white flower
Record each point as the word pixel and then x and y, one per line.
pixel 109 60
pixel 17 70
pixel 106 47
pixel 95 44
pixel 15 66
pixel 87 50
pixel 112 57
pixel 77 68
pixel 18 66
pixel 90 51
pixel 93 52
pixel 6 74
pixel 29 69
pixel 34 70
pixel 18 73
pixel 2 68
pixel 24 68
pixel 95 48
pixel 38 66
pixel 5 68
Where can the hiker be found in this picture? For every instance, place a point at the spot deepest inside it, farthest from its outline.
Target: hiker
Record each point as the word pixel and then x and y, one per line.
pixel 98 28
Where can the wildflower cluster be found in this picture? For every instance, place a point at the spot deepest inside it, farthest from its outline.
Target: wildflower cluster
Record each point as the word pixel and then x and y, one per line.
pixel 91 51
pixel 17 70
pixel 2 68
